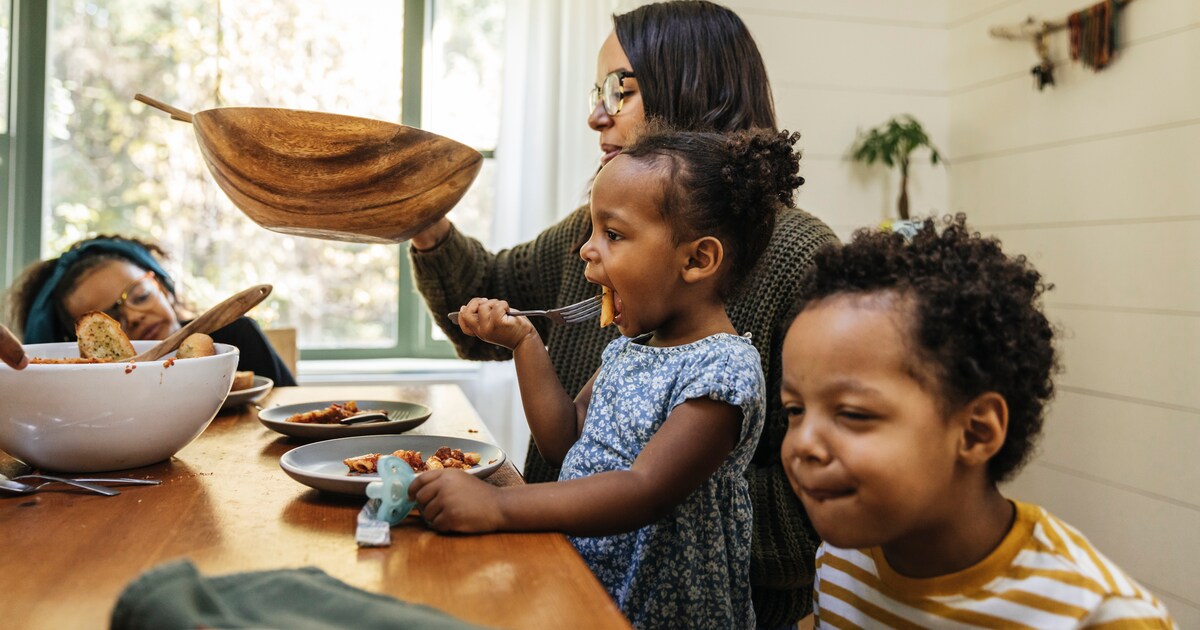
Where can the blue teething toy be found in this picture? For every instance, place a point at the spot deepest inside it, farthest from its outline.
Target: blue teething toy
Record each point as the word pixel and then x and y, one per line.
pixel 395 475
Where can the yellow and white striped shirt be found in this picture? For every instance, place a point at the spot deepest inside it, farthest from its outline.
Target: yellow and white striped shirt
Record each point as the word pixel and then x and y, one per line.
pixel 1044 574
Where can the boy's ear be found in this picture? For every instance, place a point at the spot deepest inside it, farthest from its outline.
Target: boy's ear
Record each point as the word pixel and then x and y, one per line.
pixel 984 427
pixel 704 258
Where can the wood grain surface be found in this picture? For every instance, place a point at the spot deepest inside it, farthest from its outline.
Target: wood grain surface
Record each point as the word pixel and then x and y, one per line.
pixel 331 176
pixel 225 504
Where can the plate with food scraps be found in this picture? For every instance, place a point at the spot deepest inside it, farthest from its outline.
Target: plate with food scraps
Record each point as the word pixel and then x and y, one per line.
pixel 321 465
pixel 262 386
pixel 324 418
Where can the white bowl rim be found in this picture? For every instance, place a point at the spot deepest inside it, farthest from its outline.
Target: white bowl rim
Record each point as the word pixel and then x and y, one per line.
pixel 140 345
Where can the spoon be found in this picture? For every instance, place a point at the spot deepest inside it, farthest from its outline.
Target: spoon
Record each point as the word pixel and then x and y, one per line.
pixel 11 351
pixel 214 318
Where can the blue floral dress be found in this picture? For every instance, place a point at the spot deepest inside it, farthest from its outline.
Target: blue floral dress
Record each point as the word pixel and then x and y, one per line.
pixel 692 568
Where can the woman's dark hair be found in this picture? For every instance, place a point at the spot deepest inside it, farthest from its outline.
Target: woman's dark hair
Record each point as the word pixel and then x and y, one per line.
pixel 976 323
pixel 726 185
pixel 697 66
pixel 20 298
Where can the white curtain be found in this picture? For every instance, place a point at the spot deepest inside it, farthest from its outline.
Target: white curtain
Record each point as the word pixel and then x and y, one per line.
pixel 545 155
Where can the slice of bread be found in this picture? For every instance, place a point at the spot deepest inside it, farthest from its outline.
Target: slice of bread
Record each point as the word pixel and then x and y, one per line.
pixel 100 337
pixel 242 380
pixel 196 345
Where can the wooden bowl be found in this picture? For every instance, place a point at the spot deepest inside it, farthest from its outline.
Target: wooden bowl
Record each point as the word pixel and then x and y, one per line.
pixel 331 176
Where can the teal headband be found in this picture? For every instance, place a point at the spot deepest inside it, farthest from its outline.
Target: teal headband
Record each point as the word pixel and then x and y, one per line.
pixel 42 325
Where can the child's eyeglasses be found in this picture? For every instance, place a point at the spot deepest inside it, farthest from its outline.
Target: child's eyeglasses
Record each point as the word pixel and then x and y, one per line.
pixel 611 93
pixel 138 296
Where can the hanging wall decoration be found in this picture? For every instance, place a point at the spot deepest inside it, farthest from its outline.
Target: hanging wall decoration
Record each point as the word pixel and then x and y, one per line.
pixel 1093 38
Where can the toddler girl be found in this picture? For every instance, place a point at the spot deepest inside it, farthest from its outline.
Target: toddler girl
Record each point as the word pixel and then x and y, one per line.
pixel 915 379
pixel 654 447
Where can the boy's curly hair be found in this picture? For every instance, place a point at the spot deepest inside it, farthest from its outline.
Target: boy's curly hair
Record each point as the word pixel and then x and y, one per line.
pixel 729 185
pixel 976 323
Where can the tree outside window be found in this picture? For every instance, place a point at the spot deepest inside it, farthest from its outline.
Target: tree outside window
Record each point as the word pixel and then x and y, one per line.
pixel 116 166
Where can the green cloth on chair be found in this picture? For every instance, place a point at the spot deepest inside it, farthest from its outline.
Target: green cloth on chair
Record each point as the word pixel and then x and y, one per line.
pixel 175 595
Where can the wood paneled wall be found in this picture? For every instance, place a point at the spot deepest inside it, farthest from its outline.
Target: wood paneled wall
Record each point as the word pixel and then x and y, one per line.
pixel 1097 180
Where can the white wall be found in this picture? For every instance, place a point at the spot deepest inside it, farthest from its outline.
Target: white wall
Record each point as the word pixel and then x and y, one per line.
pixel 838 67
pixel 1096 180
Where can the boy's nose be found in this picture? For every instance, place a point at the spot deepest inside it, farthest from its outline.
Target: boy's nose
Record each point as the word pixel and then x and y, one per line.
pixel 806 443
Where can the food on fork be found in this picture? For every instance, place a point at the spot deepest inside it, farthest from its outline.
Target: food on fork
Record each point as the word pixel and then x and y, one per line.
pixel 445 457
pixel 242 379
pixel 608 307
pixel 332 414
pixel 196 345
pixel 101 338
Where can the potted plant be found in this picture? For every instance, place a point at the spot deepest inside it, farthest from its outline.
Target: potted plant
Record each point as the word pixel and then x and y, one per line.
pixel 893 144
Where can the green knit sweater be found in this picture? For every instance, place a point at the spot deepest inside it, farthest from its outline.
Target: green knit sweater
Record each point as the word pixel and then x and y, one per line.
pixel 548 272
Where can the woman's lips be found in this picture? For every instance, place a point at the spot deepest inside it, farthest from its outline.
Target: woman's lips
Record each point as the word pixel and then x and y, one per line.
pixel 610 152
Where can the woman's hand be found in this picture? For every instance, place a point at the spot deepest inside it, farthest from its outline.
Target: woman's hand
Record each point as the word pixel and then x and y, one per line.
pixel 454 501
pixel 489 320
pixel 431 236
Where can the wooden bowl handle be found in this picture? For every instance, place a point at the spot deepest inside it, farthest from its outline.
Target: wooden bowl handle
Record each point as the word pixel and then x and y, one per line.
pixel 175 112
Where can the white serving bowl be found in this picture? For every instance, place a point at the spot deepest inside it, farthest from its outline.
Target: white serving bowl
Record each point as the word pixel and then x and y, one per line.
pixel 107 416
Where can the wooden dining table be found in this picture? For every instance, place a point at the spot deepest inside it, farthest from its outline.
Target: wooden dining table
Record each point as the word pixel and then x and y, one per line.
pixel 227 506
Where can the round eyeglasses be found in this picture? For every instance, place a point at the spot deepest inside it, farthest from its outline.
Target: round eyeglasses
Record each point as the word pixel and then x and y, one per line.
pixel 138 297
pixel 611 92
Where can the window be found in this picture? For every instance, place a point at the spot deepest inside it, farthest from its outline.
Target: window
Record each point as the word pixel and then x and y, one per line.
pixel 115 166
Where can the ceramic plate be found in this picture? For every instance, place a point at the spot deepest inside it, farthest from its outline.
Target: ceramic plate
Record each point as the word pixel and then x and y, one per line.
pixel 262 387
pixel 412 415
pixel 319 465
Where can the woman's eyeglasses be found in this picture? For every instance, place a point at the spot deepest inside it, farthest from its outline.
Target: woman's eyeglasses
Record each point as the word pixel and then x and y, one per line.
pixel 138 296
pixel 611 93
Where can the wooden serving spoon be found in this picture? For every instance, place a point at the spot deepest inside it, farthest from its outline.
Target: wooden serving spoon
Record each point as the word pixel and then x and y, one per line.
pixel 11 351
pixel 214 318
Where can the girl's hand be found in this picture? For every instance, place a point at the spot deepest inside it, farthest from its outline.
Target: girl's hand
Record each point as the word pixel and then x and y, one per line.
pixel 489 320
pixel 454 501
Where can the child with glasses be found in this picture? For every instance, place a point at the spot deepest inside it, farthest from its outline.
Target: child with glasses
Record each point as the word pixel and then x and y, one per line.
pixel 915 381
pixel 655 447
pixel 123 278
pixel 648 67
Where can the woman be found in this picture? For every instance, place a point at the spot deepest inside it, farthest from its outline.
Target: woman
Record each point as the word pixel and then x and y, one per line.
pixel 122 277
pixel 695 65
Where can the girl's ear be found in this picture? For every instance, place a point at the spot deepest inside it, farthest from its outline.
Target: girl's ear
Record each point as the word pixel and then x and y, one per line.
pixel 984 427
pixel 704 258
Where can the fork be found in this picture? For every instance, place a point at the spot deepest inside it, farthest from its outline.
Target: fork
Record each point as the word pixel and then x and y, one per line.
pixel 569 314
pixel 24 488
pixel 376 416
pixel 119 480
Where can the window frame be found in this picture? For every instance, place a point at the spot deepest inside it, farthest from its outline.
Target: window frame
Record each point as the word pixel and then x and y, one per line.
pixel 23 170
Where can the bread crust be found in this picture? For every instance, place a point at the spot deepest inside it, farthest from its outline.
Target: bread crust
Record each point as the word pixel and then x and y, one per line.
pixel 242 380
pixel 196 345
pixel 100 337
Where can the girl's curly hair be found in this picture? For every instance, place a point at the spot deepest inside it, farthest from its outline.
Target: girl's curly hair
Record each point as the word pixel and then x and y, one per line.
pixel 975 316
pixel 728 185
